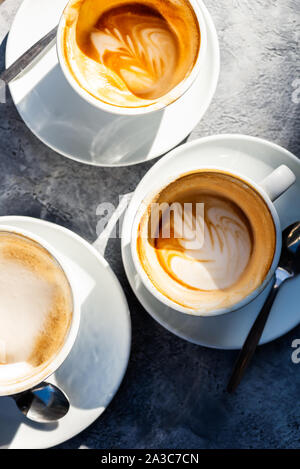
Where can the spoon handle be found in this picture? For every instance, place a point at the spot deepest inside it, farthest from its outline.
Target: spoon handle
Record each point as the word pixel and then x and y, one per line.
pixel 251 342
pixel 22 62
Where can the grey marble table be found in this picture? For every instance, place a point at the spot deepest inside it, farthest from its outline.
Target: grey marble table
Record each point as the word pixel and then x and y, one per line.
pixel 173 395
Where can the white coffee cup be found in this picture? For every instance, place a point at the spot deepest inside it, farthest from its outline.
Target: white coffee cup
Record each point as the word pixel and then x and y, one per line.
pixel 14 387
pixel 269 189
pixel 163 102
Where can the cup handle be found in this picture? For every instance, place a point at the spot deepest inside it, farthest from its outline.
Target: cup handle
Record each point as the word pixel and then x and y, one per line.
pixel 278 182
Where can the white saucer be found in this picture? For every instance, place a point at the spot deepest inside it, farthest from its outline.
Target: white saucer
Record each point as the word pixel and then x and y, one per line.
pixel 92 373
pixel 74 128
pixel 254 158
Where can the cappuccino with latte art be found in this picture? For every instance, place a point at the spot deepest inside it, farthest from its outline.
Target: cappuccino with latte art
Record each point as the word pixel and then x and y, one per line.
pixel 130 54
pixel 212 258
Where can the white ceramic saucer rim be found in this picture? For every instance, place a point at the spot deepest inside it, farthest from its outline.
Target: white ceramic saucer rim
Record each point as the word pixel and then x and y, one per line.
pixel 136 195
pixel 8 219
pixel 215 58
pixel 214 138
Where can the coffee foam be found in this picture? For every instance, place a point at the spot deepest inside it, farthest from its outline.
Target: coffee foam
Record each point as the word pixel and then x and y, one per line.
pixel 231 260
pixel 130 54
pixel 35 307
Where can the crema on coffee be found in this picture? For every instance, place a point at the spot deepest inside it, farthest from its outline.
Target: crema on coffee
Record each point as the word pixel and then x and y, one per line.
pixel 210 258
pixel 36 307
pixel 130 54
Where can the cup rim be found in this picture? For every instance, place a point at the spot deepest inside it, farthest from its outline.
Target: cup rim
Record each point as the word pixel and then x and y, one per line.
pixel 34 380
pixel 178 91
pixel 219 311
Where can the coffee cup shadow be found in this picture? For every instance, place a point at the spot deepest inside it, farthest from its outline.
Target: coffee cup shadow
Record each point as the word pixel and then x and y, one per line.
pixel 65 121
pixel 89 373
pixel 14 420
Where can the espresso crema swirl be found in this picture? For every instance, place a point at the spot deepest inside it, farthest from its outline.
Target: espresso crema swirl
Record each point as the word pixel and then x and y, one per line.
pixel 130 53
pixel 210 258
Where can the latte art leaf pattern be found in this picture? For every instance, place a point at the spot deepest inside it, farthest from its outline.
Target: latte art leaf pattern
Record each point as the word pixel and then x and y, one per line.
pixel 214 262
pixel 139 47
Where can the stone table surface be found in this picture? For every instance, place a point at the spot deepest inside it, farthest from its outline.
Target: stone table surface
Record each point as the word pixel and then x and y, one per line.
pixel 173 394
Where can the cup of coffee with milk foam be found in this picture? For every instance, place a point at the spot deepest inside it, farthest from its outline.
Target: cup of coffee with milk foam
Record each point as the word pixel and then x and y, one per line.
pixel 131 57
pixel 207 242
pixel 39 315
